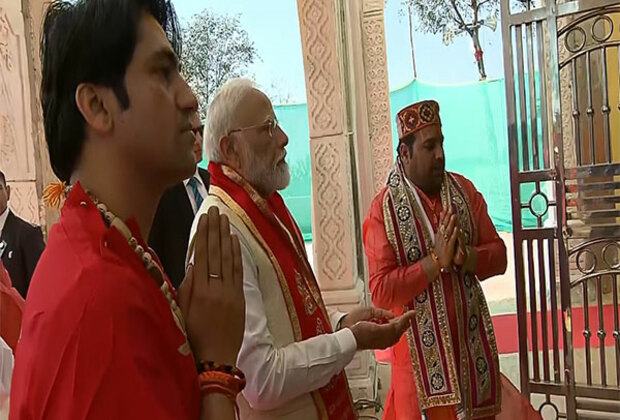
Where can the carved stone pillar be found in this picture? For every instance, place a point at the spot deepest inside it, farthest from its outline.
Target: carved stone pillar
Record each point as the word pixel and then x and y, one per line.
pixel 334 229
pixel 370 98
pixel 16 146
pixel 22 145
pixel 350 144
pixel 377 92
pixel 33 22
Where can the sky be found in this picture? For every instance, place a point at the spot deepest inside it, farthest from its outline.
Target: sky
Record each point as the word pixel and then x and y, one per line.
pixel 274 27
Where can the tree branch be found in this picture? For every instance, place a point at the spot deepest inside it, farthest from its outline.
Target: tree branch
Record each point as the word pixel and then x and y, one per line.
pixel 481 3
pixel 459 19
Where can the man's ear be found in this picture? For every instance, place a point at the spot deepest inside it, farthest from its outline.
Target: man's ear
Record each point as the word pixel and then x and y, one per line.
pixel 404 152
pixel 95 104
pixel 228 149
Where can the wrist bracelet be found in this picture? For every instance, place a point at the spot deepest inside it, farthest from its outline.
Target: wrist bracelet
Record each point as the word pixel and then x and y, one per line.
pixel 435 259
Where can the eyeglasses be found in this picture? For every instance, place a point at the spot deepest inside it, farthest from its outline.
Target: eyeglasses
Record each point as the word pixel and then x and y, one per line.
pixel 272 124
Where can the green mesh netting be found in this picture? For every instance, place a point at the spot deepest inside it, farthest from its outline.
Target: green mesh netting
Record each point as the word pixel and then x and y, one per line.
pixel 476 145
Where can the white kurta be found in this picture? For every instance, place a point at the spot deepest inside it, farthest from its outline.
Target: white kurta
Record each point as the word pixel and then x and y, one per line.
pixel 281 373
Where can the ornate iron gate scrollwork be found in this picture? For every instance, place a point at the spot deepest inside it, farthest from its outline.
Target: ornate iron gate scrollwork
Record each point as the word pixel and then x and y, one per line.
pixel 562 62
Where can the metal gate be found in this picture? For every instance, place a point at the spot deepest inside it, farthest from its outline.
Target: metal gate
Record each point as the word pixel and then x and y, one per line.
pixel 561 61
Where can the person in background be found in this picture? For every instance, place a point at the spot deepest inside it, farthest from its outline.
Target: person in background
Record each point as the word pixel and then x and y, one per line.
pixel 21 243
pixel 176 211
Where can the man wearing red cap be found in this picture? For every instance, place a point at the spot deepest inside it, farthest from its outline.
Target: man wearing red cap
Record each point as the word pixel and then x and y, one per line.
pixel 429 241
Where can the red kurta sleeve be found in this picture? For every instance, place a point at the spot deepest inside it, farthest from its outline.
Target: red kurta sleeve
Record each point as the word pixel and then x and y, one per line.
pixel 11 310
pixel 391 285
pixel 490 248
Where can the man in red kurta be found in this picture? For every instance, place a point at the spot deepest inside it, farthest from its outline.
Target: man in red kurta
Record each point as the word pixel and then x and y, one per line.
pixel 103 334
pixel 429 241
pixel 93 308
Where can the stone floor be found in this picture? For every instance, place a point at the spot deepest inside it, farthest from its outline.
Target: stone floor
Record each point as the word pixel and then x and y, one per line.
pixel 509 365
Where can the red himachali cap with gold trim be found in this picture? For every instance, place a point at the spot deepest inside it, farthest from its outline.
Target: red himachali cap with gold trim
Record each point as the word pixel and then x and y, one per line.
pixel 417 116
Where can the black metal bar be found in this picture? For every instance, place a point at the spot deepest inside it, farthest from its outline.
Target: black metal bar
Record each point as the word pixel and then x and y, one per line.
pixel 521 308
pixel 560 195
pixel 573 188
pixel 542 76
pixel 587 333
pixel 591 276
pixel 533 311
pixel 539 222
pixel 590 109
pixel 605 109
pixel 580 8
pixel 509 35
pixel 533 176
pixel 597 404
pixel 583 202
pixel 522 102
pixel 595 230
pixel 603 170
pixel 554 312
pixel 592 214
pixel 542 279
pixel 524 17
pixel 616 328
pixel 584 51
pixel 601 331
pixel 595 391
pixel 576 127
pixel 533 234
pixel 543 388
pixel 531 70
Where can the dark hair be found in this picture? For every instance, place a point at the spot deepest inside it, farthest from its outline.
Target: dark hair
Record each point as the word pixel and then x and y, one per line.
pixel 89 41
pixel 2 178
pixel 407 141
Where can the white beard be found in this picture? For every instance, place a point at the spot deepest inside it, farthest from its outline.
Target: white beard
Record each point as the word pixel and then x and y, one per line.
pixel 263 176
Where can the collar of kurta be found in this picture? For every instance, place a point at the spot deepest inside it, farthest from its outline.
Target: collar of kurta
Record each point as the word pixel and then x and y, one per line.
pixel 83 222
